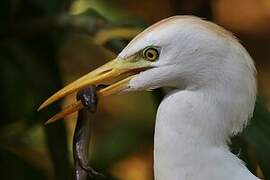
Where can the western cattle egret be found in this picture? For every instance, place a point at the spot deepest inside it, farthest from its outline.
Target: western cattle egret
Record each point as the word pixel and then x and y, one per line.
pixel 214 91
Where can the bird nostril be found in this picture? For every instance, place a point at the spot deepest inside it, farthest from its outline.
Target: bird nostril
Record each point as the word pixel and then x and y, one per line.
pixel 104 72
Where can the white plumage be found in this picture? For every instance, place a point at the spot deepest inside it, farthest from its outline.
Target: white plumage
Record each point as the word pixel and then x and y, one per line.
pixel 214 94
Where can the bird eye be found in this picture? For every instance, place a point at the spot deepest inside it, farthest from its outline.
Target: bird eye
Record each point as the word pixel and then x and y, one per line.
pixel 151 54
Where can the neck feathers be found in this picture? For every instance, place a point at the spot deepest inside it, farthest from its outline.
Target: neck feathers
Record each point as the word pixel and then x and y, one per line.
pixel 191 140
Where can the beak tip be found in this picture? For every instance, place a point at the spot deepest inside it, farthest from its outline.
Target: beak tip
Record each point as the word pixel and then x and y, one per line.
pixel 43 105
pixel 51 120
pixel 39 108
pixel 47 122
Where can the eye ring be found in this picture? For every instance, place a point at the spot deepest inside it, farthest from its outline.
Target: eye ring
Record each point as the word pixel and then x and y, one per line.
pixel 151 54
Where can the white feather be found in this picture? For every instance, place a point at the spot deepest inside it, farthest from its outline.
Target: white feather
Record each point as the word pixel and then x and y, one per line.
pixel 215 91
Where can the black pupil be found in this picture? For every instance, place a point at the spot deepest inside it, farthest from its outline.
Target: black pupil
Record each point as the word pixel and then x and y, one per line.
pixel 150 55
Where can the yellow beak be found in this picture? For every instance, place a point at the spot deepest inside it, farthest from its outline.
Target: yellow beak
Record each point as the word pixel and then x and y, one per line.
pixel 116 73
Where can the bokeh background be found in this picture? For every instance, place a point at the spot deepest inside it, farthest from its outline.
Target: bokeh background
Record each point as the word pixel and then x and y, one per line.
pixel 45 44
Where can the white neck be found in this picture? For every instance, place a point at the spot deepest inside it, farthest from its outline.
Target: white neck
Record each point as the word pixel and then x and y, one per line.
pixel 191 141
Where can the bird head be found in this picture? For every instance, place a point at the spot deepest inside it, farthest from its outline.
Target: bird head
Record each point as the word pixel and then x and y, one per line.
pixel 182 52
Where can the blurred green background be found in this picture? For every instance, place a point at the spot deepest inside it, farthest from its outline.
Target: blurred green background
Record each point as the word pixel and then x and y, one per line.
pixel 45 44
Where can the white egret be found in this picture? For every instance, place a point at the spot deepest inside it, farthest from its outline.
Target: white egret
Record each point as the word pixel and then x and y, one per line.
pixel 214 91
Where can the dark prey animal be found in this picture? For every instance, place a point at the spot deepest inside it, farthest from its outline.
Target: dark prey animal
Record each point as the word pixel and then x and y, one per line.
pixel 82 134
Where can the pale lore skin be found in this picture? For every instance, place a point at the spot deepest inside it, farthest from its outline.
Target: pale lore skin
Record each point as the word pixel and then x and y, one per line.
pixel 213 82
